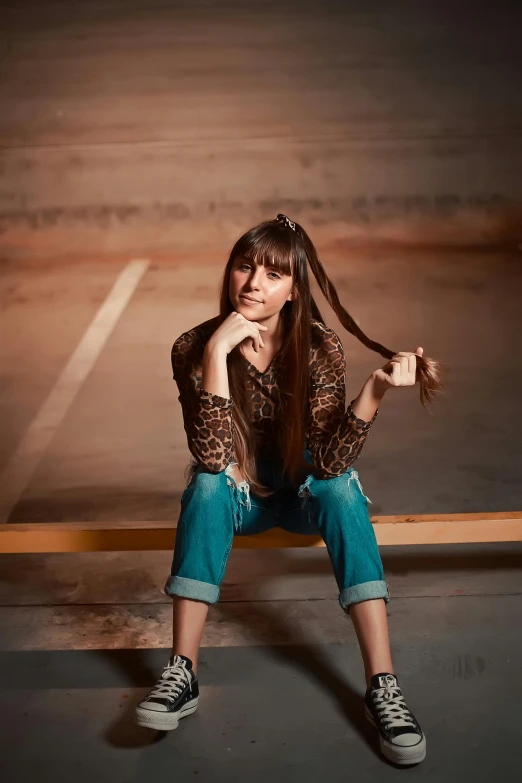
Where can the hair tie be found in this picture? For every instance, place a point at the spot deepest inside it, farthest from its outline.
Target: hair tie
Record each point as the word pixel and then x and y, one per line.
pixel 287 222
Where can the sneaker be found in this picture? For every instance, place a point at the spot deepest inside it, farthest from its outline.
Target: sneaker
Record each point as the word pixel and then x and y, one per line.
pixel 175 695
pixel 400 735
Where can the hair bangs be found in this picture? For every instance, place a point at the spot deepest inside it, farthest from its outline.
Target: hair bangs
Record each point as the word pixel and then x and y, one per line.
pixel 270 248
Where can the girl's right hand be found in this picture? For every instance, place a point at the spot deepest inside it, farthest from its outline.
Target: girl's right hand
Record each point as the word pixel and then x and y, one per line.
pixel 234 329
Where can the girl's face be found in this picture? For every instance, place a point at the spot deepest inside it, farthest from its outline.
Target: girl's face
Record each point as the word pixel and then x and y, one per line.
pixel 270 289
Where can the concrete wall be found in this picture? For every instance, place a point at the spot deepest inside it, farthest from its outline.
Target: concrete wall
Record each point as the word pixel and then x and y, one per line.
pixel 148 126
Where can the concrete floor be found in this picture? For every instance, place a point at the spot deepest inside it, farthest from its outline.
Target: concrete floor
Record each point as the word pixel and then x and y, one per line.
pixel 280 670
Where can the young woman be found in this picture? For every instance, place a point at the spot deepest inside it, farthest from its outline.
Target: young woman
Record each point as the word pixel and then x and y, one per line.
pixel 262 390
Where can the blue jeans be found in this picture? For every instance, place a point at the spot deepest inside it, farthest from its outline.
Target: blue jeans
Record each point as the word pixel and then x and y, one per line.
pixel 214 508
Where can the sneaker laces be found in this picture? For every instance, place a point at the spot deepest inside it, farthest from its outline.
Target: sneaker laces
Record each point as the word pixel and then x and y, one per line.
pixel 173 680
pixel 391 706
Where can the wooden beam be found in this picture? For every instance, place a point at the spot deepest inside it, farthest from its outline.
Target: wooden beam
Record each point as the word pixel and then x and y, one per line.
pixel 126 536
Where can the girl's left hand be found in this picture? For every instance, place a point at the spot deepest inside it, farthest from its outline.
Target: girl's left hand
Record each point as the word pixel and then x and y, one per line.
pixel 399 371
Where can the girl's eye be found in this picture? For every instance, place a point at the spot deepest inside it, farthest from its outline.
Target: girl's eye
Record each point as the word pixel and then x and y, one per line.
pixel 247 266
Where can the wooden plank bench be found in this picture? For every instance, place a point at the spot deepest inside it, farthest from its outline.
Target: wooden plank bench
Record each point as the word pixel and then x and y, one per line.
pixel 127 536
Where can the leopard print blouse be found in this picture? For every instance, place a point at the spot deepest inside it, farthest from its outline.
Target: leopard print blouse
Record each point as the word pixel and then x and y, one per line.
pixel 335 435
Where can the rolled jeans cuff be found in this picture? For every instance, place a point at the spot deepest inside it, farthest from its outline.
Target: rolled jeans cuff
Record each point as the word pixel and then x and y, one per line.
pixel 192 588
pixel 363 592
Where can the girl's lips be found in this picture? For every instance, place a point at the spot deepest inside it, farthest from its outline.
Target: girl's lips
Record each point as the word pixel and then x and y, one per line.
pixel 249 301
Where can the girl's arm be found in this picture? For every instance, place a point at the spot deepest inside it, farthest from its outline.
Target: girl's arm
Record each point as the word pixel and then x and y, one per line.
pixel 205 403
pixel 205 396
pixel 401 370
pixel 336 433
pixel 367 402
pixel 214 371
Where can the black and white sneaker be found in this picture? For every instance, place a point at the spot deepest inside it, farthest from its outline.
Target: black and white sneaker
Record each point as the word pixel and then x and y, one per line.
pixel 400 735
pixel 175 695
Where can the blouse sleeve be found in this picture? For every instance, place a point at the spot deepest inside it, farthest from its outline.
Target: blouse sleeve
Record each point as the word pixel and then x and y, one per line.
pixel 336 434
pixel 207 417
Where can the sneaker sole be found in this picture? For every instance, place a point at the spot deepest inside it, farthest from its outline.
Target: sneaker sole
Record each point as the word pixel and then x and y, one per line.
pixel 164 721
pixel 399 754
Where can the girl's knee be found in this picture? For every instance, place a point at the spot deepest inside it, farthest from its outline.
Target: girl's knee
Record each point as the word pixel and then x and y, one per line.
pixel 345 489
pixel 234 472
pixel 204 484
pixel 226 488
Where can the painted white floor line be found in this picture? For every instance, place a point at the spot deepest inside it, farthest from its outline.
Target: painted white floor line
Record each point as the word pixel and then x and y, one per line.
pixel 17 474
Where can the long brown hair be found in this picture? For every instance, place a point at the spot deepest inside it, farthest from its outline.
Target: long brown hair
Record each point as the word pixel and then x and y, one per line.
pixel 291 251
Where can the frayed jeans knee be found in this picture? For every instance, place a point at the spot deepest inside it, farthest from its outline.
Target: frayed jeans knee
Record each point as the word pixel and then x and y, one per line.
pixel 214 509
